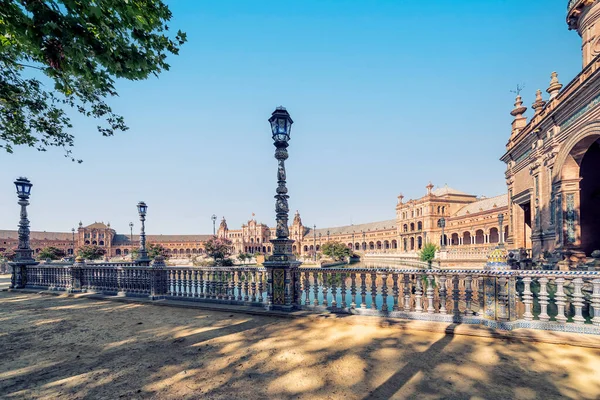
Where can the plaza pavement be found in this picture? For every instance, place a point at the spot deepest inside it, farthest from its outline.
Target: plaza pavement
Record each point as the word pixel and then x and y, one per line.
pixel 65 347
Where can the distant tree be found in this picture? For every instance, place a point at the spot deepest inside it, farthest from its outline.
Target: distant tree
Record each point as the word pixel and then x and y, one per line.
pixel 51 253
pixel 427 253
pixel 79 48
pixel 218 248
pixel 8 254
pixel 91 252
pixel 242 257
pixel 336 250
pixel 153 250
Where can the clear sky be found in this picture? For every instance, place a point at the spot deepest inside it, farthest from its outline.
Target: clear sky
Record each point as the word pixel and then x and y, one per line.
pixel 386 96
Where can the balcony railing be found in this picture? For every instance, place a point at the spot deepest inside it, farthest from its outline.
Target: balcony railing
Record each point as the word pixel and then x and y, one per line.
pixel 551 300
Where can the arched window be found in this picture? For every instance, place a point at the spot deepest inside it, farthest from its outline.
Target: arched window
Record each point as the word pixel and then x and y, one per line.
pixel 371 246
pixel 405 228
pixel 419 225
pixel 125 252
pixel 412 243
pixel 419 242
pixel 87 242
pixel 412 226
pixel 94 243
pixel 394 244
pixel 118 252
pixel 101 243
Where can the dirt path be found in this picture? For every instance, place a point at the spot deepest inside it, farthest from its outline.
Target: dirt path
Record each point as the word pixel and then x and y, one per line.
pixel 57 347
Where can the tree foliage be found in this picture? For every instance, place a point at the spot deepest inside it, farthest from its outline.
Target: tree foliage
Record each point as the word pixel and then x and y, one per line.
pixel 91 252
pixel 218 248
pixel 427 253
pixel 51 253
pixel 78 48
pixel 154 250
pixel 336 250
pixel 8 254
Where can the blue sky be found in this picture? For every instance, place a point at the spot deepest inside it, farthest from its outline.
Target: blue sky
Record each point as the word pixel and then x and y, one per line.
pixel 386 96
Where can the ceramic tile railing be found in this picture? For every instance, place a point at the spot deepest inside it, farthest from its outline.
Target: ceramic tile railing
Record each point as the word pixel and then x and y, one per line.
pixel 553 300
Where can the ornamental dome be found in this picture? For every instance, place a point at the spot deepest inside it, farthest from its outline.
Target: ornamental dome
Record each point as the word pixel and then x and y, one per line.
pixel 497 260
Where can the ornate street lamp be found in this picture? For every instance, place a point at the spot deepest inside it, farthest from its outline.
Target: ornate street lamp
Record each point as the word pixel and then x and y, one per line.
pixel 214 220
pixel 314 242
pixel 500 238
pixel 131 239
pixel 143 254
pixel 281 286
pixel 24 254
pixel 442 224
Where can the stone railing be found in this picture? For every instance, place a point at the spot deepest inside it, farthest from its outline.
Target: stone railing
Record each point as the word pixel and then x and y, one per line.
pixel 408 260
pixel 550 300
pixel 231 285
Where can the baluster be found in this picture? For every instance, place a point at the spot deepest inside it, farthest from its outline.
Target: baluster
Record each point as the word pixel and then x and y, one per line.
pixel 307 288
pixel 527 298
pixel 430 292
pixel 561 300
pixel 395 291
pixel 578 301
pixel 253 284
pixel 455 295
pixel 418 294
pixel 442 293
pixel 343 290
pixel 407 293
pixel 363 290
pixel 200 284
pixel 333 290
pixel 468 294
pixel 213 284
pixel 384 294
pixel 480 298
pixel 260 286
pixel 232 286
pixel 246 286
pixel 190 283
pixel 596 301
pixel 195 283
pixel 218 284
pixel 178 282
pixel 374 290
pixel 240 283
pixel 316 288
pixel 543 299
pixel 324 289
pixel 353 289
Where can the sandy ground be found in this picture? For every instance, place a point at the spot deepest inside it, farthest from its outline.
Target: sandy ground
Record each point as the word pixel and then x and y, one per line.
pixel 59 347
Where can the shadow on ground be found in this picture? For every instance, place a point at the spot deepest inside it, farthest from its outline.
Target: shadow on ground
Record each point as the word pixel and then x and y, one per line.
pixel 58 347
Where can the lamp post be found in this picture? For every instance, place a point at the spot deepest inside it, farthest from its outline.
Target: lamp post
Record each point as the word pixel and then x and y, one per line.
pixel 500 238
pixel 142 255
pixel 328 235
pixel 131 239
pixel 73 243
pixel 353 249
pixel 214 220
pixel 24 254
pixel 442 225
pixel 281 285
pixel 314 242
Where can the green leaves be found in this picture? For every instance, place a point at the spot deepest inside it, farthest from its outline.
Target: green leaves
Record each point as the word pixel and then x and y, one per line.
pixel 336 250
pixel 82 47
pixel 427 253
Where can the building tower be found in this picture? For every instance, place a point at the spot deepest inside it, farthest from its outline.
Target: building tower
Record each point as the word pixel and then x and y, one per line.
pixel 584 16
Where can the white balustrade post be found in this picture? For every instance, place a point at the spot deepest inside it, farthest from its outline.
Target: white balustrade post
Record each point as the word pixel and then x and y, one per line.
pixel 442 293
pixel 384 293
pixel 561 300
pixel 527 298
pixel 418 294
pixel 578 301
pixel 430 292
pixel 395 291
pixel 543 299
pixel 596 301
pixel 406 292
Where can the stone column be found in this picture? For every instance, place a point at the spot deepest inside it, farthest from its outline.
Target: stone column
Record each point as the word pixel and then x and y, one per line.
pixel 76 271
pixel 158 279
